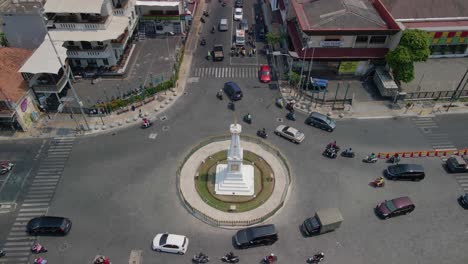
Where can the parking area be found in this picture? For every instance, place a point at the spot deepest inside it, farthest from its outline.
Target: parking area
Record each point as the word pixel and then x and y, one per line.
pixel 152 63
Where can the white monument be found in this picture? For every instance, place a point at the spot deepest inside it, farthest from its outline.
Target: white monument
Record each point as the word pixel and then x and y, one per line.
pixel 235 178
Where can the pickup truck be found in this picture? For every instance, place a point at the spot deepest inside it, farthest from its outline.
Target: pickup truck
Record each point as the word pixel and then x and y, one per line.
pixel 325 220
pixel 218 53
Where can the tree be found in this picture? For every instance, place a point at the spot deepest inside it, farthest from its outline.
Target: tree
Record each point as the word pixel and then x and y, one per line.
pixel 3 40
pixel 294 79
pixel 413 47
pixel 274 38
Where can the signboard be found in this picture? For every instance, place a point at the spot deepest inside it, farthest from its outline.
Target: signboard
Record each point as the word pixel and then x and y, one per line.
pixel 337 43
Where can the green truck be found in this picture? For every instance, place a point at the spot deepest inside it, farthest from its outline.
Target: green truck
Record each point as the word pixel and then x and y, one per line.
pixel 324 220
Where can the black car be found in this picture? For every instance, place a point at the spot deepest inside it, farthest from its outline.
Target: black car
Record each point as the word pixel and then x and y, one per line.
pixel 49 225
pixel 233 91
pixel 321 121
pixel 239 3
pixel 255 236
pixel 463 200
pixel 409 172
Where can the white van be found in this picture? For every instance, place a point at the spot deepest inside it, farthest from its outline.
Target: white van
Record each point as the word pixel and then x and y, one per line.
pixel 240 37
pixel 223 24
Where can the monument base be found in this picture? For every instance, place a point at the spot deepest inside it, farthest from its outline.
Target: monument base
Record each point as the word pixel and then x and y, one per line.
pixel 234 184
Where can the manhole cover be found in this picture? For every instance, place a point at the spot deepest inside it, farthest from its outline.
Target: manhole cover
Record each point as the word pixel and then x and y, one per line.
pixel 259 100
pixel 64 247
pixel 279 119
pixel 165 128
pixel 163 118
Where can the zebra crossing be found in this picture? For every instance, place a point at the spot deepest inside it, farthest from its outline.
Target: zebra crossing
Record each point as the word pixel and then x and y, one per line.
pixel 37 200
pixel 226 72
pixel 462 180
pixel 432 132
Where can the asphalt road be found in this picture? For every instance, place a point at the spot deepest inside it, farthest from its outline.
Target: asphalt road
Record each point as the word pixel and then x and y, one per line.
pixel 119 189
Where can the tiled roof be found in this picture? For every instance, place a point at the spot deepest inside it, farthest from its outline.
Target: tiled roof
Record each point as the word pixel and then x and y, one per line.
pixel 426 8
pixel 12 85
pixel 332 53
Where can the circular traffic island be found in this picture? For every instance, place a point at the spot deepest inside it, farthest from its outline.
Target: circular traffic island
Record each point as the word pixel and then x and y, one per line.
pixel 197 182
pixel 263 183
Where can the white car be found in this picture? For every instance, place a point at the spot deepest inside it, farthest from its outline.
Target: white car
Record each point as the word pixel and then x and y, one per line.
pixel 290 133
pixel 170 243
pixel 238 14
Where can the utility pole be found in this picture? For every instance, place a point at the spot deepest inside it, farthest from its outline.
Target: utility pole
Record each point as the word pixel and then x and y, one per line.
pixel 454 95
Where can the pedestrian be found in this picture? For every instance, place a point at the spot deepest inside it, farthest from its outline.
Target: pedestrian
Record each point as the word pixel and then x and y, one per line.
pixel 139 113
pixel 133 108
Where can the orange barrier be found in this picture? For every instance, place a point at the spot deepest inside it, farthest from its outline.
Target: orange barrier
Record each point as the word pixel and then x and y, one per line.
pixel 422 154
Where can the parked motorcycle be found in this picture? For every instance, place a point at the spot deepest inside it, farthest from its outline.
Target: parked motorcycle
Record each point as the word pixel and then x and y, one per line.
pixel 200 258
pixel 38 248
pixel 319 257
pixel 262 133
pixel 348 153
pixel 230 258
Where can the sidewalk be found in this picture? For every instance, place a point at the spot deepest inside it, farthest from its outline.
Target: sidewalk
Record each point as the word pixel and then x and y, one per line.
pixel 372 109
pixel 59 125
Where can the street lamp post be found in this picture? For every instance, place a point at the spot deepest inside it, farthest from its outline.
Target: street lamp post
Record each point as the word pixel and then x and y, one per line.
pixel 302 68
pixel 67 74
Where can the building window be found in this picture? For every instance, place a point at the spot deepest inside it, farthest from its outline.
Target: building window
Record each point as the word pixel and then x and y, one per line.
pixel 92 62
pixel 100 43
pixel 362 39
pixel 78 62
pixel 378 39
pixel 105 61
pixel 159 27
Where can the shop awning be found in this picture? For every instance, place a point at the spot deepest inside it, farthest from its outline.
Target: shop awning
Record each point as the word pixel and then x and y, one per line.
pixel 44 59
pixel 115 28
pixel 73 6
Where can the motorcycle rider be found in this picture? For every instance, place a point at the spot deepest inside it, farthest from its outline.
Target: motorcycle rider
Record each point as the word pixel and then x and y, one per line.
pixel 319 256
pixel 248 117
pixel 379 181
pixel 213 29
pixel 372 156
pixel 349 151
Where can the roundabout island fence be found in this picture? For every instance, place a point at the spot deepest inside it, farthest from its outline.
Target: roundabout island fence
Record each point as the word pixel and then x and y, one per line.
pixel 221 223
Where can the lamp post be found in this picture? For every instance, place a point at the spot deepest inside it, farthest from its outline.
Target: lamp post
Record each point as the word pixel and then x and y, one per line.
pixel 67 74
pixel 310 65
pixel 302 68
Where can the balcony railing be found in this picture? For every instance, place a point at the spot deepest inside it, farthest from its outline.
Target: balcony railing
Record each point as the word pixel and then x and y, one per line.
pixel 52 87
pixel 97 52
pixel 83 25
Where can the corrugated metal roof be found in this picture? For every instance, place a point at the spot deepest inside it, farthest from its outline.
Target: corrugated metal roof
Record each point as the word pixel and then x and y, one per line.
pixel 73 6
pixel 44 59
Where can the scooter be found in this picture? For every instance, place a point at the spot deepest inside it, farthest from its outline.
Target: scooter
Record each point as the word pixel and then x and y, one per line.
pixel 205 13
pixel 6 167
pixel 40 260
pixel 269 259
pixel 203 42
pixel 200 258
pixel 367 159
pixel 377 183
pixel 394 159
pixel 146 124
pixel 219 95
pixel 348 154
pixel 2 253
pixel 248 119
pixel 262 133
pixel 38 248
pixel 315 259
pixel 330 153
pixel 291 116
pixel 230 258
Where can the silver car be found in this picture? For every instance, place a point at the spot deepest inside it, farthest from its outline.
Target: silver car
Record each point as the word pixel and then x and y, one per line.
pixel 290 133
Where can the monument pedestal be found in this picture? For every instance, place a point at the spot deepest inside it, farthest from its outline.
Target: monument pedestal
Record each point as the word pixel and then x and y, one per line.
pixel 234 183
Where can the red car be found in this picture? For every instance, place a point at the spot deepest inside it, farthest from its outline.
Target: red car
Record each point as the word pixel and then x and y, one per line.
pixel 264 74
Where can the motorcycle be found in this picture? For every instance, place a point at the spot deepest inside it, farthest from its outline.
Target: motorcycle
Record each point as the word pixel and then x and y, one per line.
pixel 368 159
pixel 201 258
pixel 230 258
pixel 394 159
pixel 219 95
pixel 223 4
pixel 40 260
pixel 99 259
pixel 348 154
pixel 202 20
pixel 330 153
pixel 333 146
pixel 377 183
pixel 203 42
pixel 279 102
pixel 6 167
pixel 316 258
pixel 269 259
pixel 232 106
pixel 248 119
pixel 2 253
pixel 262 133
pixel 38 248
pixel 205 13
pixel 146 124
pixel 291 116
pixel 290 106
